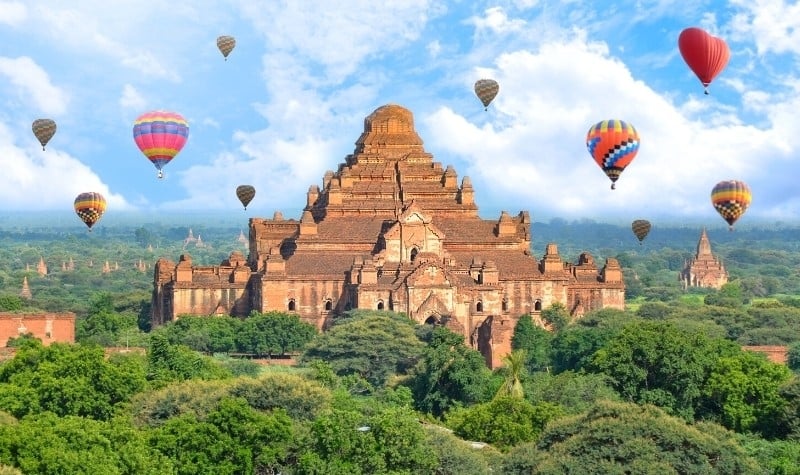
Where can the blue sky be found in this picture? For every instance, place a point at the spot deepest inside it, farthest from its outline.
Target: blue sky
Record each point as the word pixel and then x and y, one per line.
pixel 290 101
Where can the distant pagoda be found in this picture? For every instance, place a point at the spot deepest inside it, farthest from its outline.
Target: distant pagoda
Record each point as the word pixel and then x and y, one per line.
pixel 25 293
pixel 704 270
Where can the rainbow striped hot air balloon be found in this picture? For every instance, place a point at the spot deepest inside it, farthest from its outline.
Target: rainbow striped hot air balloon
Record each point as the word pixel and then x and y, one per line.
pixel 160 135
pixel 90 207
pixel 731 198
pixel 613 144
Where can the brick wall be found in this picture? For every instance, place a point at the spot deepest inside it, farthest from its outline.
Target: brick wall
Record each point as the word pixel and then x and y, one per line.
pixel 48 327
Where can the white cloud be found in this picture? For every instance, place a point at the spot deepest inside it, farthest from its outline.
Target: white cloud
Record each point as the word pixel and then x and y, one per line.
pixel 774 25
pixel 338 38
pixel 497 22
pixel 34 82
pixel 131 99
pixel 33 179
pixel 531 146
pixel 280 170
pixel 13 13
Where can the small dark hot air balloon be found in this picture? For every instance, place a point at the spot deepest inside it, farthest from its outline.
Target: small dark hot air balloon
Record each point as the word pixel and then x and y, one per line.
pixel 705 55
pixel 641 228
pixel 44 129
pixel 90 207
pixel 613 144
pixel 245 193
pixel 160 135
pixel 226 44
pixel 486 90
pixel 731 198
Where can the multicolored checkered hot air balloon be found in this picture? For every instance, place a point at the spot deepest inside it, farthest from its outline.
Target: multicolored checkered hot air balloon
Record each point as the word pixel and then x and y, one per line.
pixel 226 44
pixel 486 90
pixel 731 198
pixel 44 129
pixel 160 135
pixel 245 193
pixel 90 207
pixel 613 144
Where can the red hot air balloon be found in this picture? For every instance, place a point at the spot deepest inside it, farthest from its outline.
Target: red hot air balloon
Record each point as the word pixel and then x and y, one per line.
pixel 706 55
pixel 160 135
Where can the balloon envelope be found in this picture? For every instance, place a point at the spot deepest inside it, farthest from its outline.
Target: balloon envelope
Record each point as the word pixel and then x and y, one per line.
pixel 613 144
pixel 641 228
pixel 245 193
pixel 486 90
pixel 226 44
pixel 160 135
pixel 44 129
pixel 90 206
pixel 731 198
pixel 705 55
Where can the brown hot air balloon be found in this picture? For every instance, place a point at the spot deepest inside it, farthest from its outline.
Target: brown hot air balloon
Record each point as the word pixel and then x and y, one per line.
pixel 641 228
pixel 486 90
pixel 226 44
pixel 245 193
pixel 44 129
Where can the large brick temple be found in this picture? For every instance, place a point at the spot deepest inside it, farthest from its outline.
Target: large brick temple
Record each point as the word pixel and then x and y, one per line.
pixel 392 229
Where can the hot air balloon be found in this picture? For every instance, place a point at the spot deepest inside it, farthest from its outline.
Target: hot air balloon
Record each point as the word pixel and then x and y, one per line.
pixel 44 129
pixel 486 90
pixel 706 55
pixel 641 228
pixel 90 206
pixel 613 144
pixel 160 135
pixel 245 193
pixel 731 199
pixel 226 44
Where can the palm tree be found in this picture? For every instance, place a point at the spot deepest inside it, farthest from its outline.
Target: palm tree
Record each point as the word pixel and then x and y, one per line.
pixel 514 365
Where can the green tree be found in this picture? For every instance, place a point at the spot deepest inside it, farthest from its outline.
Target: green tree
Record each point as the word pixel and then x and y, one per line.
pixel 620 438
pixel 556 316
pixel 274 333
pixel 535 340
pixel 103 325
pixel 168 362
pixel 373 347
pixel 47 444
pixel 503 422
pixel 232 439
pixel 349 442
pixel 513 372
pixel 67 380
pixel 743 392
pixel 574 392
pixel 11 303
pixel 657 363
pixel 449 374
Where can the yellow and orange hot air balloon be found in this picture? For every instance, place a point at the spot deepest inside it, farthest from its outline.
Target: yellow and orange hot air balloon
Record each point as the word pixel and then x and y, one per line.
pixel 731 198
pixel 486 90
pixel 90 206
pixel 226 44
pixel 44 129
pixel 245 193
pixel 613 144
